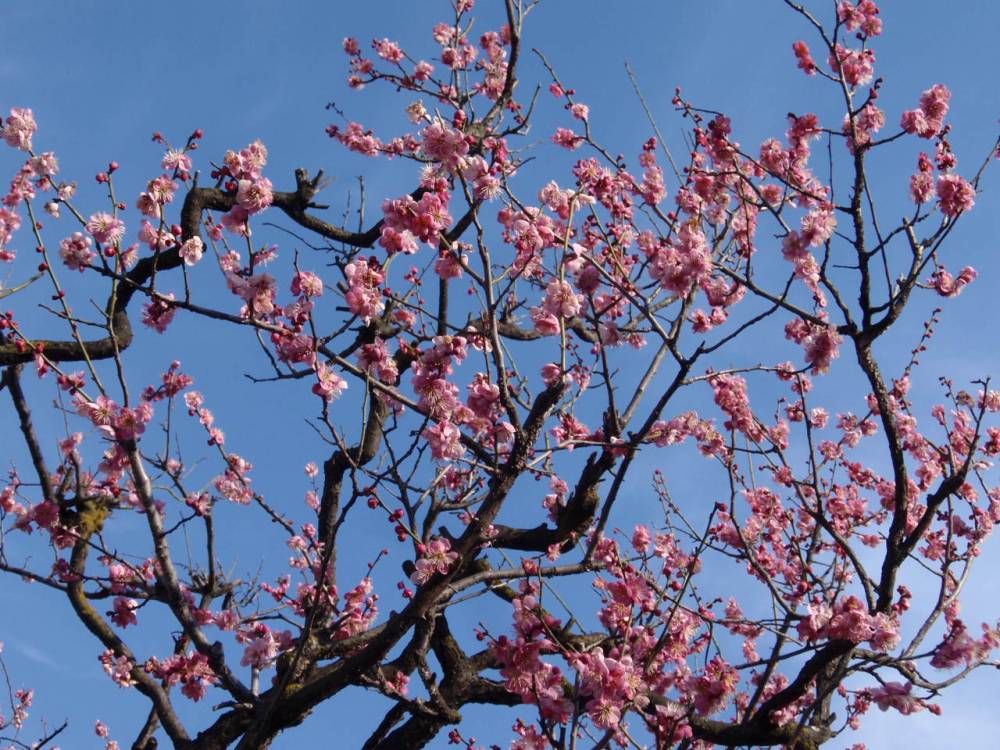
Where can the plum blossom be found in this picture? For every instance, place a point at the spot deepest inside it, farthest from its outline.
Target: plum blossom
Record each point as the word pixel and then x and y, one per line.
pixel 19 128
pixel 445 440
pixel 928 120
pixel 561 301
pixel 862 16
pixel 445 145
pixel 857 66
pixel 105 228
pixel 364 298
pixel 118 668
pixel 307 284
pixel 955 195
pixel 254 195
pixel 159 313
pixel 947 285
pixel 264 646
pixel 898 696
pixel 192 250
pixel 124 612
pixel 712 689
pixel 191 671
pixel 388 50
pixel 821 343
pixel 435 557
pixel 567 139
pixel 329 384
pixel 922 183
pixel 804 58
pixel 178 160
pixel 76 251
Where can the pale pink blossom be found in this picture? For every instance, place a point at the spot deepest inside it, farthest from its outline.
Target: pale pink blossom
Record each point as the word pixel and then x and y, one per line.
pixel 192 250
pixel 106 228
pixel 19 128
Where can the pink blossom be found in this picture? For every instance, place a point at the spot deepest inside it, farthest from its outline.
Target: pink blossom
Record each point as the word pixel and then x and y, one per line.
pixel 423 70
pixel 19 128
pixel 356 138
pixel 44 165
pixel 192 250
pixel 862 16
pixel 561 301
pixel 821 343
pixel 375 359
pixel 176 160
pixel 200 503
pixel 712 689
pixel 551 374
pixel 388 50
pixel 436 557
pixel 124 612
pixel 307 284
pixel 947 285
pixel 395 241
pixel 76 251
pixel 445 440
pixel 955 195
pixel 922 183
pixel 10 222
pixel 191 671
pixel 449 264
pixel 118 668
pixel 426 219
pixel 885 636
pixel 850 621
pixel 254 195
pixel 159 192
pixel 928 120
pixel 234 484
pixel 856 66
pixel 156 239
pixel 804 58
pixel 898 696
pixel 106 228
pixel 158 313
pixel 364 298
pixel 329 384
pixel 567 139
pixel 445 145
pixel 261 650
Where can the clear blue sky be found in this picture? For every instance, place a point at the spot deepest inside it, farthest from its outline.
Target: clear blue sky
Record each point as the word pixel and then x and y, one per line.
pixel 102 77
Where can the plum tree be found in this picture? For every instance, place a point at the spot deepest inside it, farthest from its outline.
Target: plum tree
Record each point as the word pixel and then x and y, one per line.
pixel 505 326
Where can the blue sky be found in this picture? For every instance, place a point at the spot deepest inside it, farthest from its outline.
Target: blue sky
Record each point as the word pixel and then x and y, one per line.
pixel 100 83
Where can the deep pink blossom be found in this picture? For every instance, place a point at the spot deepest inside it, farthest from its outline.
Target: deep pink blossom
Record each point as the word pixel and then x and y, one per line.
pixel 804 58
pixel 955 195
pixel 928 120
